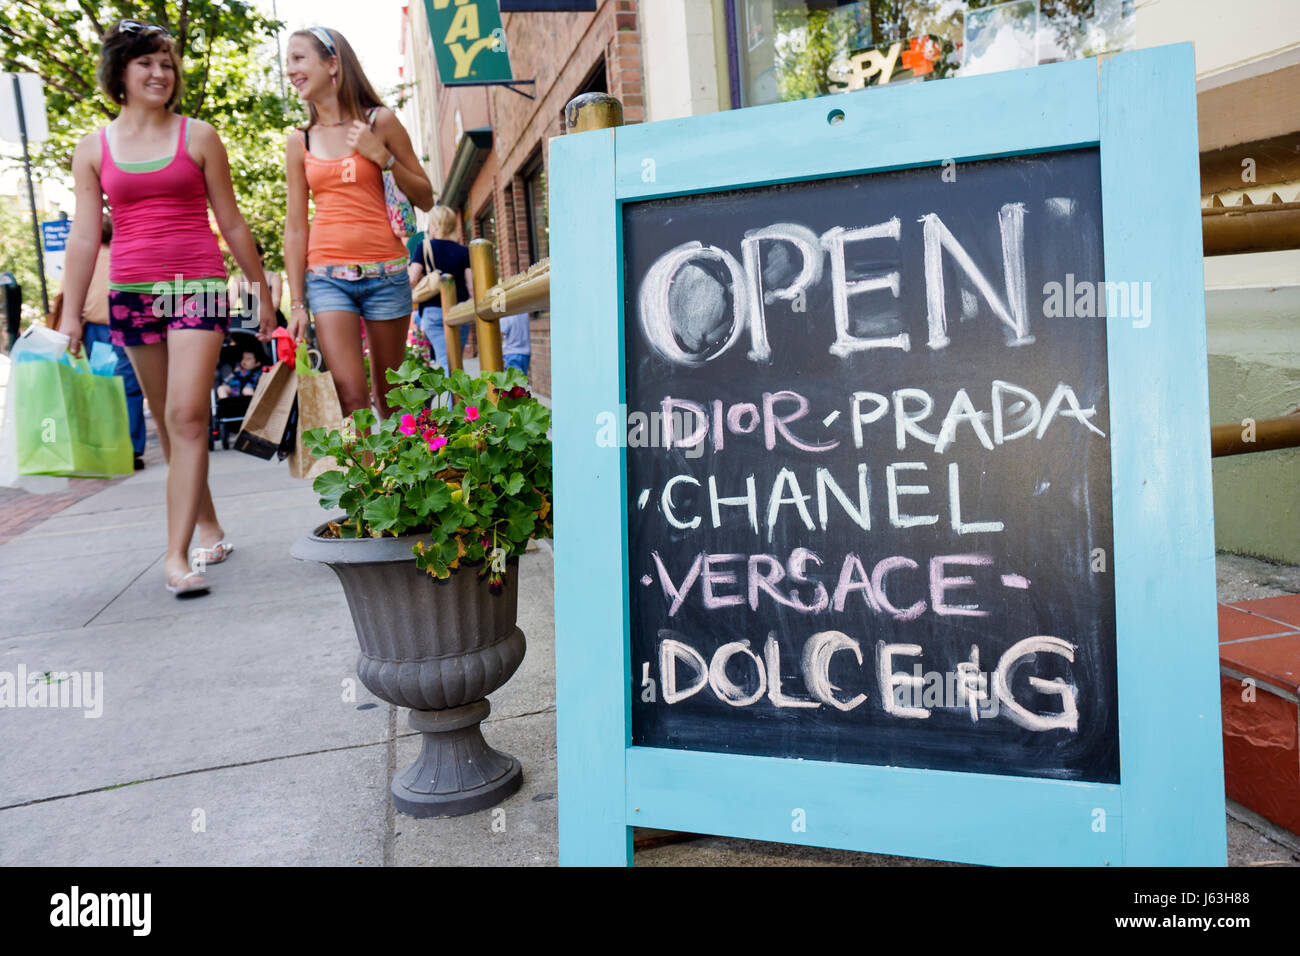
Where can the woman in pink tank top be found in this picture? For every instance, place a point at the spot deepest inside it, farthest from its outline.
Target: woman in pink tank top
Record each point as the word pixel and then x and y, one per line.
pixel 167 303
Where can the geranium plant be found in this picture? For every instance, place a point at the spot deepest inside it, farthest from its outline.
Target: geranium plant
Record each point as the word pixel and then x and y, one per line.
pixel 463 462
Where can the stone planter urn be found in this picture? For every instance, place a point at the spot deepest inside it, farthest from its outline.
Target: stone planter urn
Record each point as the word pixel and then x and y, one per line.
pixel 439 648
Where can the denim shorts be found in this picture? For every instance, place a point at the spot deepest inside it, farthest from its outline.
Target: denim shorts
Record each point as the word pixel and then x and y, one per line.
pixel 377 299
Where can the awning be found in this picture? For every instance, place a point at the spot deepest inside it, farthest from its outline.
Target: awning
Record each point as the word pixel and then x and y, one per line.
pixel 469 159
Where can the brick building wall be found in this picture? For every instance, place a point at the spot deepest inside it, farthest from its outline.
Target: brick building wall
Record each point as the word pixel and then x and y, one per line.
pixel 561 52
pixel 539 367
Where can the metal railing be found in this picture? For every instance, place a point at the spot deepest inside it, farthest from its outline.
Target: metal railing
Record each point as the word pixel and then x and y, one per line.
pixel 530 291
pixel 1268 434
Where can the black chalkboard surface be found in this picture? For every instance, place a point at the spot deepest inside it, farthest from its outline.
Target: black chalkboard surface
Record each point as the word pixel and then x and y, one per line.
pixel 868 471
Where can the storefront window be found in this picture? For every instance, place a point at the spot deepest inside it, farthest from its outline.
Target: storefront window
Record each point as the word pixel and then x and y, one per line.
pixel 485 227
pixel 794 49
pixel 539 230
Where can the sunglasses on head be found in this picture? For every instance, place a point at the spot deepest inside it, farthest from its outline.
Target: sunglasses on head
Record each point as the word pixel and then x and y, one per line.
pixel 135 26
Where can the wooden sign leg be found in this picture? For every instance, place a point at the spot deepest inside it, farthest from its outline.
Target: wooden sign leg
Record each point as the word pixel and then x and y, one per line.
pixel 592 710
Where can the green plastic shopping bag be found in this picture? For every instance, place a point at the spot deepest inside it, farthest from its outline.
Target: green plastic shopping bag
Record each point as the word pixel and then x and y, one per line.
pixel 69 421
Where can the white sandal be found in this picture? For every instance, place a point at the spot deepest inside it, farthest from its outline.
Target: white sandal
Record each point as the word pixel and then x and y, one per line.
pixel 215 554
pixel 191 583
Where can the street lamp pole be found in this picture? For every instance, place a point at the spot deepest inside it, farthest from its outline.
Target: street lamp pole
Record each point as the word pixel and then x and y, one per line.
pixel 279 56
pixel 31 196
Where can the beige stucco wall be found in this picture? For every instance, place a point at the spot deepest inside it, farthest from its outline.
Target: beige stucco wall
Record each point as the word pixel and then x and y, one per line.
pixel 1252 302
pixel 1254 352
pixel 679 48
pixel 1227 35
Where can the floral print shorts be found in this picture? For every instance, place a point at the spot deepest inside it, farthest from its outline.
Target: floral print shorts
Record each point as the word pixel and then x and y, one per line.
pixel 141 318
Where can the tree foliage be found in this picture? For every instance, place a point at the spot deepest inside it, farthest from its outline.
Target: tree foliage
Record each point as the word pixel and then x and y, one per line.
pixel 18 256
pixel 227 50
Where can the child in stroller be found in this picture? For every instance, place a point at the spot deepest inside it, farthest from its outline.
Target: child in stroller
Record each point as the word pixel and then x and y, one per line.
pixel 229 404
pixel 243 379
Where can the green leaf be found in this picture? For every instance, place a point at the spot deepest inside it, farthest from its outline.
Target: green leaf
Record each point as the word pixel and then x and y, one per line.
pixel 381 513
pixel 409 398
pixel 522 526
pixel 330 485
pixel 351 501
pixel 408 371
pixel 433 498
pixel 534 419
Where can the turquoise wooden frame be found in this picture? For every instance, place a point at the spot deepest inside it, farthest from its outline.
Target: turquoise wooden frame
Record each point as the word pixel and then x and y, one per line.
pixel 1140 108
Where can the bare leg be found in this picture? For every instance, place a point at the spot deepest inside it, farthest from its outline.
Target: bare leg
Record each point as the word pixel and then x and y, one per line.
pixel 387 342
pixel 191 360
pixel 150 363
pixel 339 335
pixel 176 377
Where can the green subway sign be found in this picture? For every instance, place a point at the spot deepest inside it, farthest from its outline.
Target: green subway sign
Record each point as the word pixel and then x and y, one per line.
pixel 468 41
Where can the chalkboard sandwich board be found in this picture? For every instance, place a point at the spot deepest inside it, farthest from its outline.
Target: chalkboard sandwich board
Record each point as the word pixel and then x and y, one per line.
pixel 881 474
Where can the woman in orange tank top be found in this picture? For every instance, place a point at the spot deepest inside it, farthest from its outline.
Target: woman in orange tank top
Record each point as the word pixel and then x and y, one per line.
pixel 348 266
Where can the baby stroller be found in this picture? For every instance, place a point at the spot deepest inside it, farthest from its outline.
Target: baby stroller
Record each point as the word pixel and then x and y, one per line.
pixel 227 414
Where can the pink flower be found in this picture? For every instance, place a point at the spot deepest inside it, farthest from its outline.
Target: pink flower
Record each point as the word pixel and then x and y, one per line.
pixel 436 442
pixel 471 413
pixel 428 434
pixel 407 427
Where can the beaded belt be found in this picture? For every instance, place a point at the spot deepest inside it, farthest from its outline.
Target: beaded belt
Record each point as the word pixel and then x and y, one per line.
pixel 360 270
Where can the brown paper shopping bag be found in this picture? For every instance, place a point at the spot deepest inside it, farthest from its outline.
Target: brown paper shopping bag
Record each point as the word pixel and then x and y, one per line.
pixel 267 417
pixel 318 407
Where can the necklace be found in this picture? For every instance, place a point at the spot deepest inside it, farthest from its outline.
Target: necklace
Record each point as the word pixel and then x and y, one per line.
pixel 339 123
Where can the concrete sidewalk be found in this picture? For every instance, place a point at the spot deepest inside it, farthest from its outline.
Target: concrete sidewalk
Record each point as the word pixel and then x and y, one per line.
pixel 233 731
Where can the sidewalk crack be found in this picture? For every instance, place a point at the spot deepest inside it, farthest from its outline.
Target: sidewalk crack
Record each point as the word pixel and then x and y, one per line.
pixel 530 713
pixel 187 773
pixel 142 573
pixel 390 814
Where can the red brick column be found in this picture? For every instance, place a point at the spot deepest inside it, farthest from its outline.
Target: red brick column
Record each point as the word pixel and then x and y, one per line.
pixel 623 62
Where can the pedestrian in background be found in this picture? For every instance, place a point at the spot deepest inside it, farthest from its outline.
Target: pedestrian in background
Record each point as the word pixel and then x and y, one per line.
pixel 13 304
pixel 94 315
pixel 160 171
pixel 243 297
pixel 516 345
pixel 434 254
pixel 348 266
